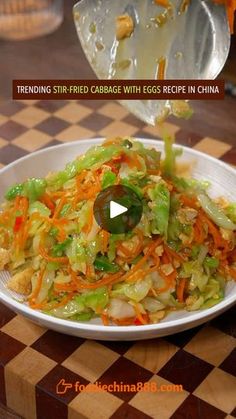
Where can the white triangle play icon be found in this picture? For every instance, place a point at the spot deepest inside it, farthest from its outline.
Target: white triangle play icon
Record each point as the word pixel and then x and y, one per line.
pixel 116 209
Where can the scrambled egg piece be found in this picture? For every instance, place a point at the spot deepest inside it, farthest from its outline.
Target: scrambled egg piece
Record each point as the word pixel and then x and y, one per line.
pixel 167 269
pixel 187 215
pixel 159 250
pixel 21 282
pixel 4 258
pixel 191 300
pixel 156 317
pixel 124 27
pixel 130 245
pixel 222 202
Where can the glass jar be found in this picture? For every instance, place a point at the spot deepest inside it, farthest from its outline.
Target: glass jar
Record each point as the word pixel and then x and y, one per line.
pixel 25 19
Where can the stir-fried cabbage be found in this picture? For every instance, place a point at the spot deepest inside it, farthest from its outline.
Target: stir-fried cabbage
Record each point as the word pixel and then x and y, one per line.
pixel 179 256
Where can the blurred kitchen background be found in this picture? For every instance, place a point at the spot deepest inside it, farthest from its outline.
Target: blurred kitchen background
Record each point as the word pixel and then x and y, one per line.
pixel 57 55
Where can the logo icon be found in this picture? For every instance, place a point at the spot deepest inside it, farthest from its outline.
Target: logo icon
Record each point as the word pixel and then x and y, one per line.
pixel 118 209
pixel 62 387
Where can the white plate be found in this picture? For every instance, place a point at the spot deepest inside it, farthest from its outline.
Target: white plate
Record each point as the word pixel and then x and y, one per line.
pixel 223 179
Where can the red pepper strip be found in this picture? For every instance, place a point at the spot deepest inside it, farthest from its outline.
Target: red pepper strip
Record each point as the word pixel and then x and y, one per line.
pixel 18 223
pixel 137 322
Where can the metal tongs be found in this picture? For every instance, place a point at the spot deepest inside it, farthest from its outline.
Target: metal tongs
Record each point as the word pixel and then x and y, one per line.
pixel 194 41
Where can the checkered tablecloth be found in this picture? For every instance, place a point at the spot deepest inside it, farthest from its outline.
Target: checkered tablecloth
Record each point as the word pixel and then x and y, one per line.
pixel 33 360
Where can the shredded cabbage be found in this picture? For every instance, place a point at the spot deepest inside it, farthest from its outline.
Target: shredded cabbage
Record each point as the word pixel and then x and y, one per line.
pixel 179 256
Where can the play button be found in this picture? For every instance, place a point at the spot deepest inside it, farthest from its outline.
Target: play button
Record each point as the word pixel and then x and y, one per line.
pixel 118 209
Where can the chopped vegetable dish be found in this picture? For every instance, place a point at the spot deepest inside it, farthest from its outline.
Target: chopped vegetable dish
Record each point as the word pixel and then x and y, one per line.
pixel 179 256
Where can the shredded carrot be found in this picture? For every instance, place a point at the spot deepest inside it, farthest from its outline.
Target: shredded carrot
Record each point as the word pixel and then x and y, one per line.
pixel 44 254
pixel 24 205
pixel 65 300
pixel 38 306
pixel 156 259
pixel 84 195
pixel 80 178
pixel 169 185
pixel 189 202
pixel 232 255
pixel 88 190
pixel 132 160
pixel 152 293
pixel 88 226
pixel 153 172
pixel 105 240
pixel 172 277
pixel 89 270
pixel 154 268
pixel 57 195
pixel 97 179
pixel 105 319
pixel 142 261
pixel 108 279
pixel 59 207
pixel 127 252
pixel 45 305
pixel 6 237
pixel 36 292
pixel 5 218
pixel 232 272
pixel 199 234
pixel 169 281
pixel 66 287
pixel 58 223
pixel 172 254
pixel 46 200
pixel 90 193
pixel 197 237
pixel 142 273
pixel 127 321
pixel 163 3
pixel 180 290
pixel 161 68
pixel 139 315
pixel 61 303
pixel 131 253
pixel 61 236
pixel 213 230
pixel 25 234
pixel 166 258
pixel 48 258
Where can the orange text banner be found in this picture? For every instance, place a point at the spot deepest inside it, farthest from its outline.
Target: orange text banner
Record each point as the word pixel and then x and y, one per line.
pixel 118 89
